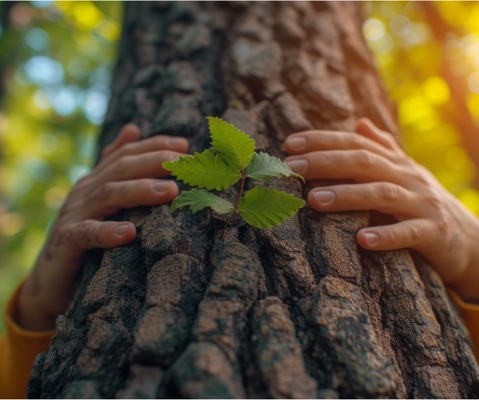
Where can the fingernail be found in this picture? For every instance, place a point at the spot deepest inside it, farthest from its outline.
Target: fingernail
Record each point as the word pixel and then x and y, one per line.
pixel 296 143
pixel 160 186
pixel 323 196
pixel 121 230
pixel 174 143
pixel 297 166
pixel 371 238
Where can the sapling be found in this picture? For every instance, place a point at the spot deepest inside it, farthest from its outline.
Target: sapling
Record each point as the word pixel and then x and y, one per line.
pixel 230 159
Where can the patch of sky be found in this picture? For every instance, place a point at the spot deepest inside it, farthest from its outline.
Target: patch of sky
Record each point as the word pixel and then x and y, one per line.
pixel 44 71
pixel 37 39
pixel 95 103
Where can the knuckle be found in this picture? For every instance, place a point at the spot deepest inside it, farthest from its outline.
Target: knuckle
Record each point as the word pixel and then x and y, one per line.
pixel 100 194
pixel 364 158
pixel 356 141
pixel 388 192
pixel 442 223
pixel 122 165
pixel 390 236
pixel 389 139
pixel 415 232
pixel 434 202
pixel 81 233
pixel 159 141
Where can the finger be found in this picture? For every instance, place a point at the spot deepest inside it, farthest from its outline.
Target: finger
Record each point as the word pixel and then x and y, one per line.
pixel 129 133
pixel 308 141
pixel 359 165
pixel 148 165
pixel 113 196
pixel 419 234
pixel 156 143
pixel 69 243
pixel 365 126
pixel 384 197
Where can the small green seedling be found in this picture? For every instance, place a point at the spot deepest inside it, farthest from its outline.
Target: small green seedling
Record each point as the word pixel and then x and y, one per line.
pixel 232 158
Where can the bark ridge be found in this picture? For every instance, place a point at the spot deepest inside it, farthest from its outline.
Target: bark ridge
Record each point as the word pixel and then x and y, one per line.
pixel 296 311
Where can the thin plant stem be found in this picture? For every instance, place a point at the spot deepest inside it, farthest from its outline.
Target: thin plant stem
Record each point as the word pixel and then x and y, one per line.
pixel 240 193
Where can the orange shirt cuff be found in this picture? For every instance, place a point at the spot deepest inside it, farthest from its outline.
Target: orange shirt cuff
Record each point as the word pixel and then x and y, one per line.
pixel 18 349
pixel 470 314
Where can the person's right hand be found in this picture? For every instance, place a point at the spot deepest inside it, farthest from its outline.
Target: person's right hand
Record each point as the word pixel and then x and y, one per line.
pixel 430 219
pixel 126 176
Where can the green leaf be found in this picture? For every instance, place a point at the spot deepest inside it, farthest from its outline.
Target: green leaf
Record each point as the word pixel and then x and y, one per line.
pixel 264 208
pixel 204 170
pixel 234 147
pixel 263 166
pixel 197 199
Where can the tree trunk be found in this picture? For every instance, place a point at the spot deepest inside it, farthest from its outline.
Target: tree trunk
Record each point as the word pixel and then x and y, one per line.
pixel 293 311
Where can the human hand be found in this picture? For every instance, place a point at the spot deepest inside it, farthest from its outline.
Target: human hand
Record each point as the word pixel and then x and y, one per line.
pixel 430 219
pixel 125 177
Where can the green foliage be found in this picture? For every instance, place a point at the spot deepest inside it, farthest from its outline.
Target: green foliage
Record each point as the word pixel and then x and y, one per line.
pixel 228 142
pixel 230 159
pixel 412 61
pixel 56 60
pixel 198 199
pixel 263 166
pixel 265 208
pixel 205 170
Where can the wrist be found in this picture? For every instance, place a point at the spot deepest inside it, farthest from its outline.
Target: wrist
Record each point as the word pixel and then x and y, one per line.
pixel 467 287
pixel 30 313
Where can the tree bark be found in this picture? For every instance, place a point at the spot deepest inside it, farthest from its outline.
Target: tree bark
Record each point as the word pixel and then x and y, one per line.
pixel 294 311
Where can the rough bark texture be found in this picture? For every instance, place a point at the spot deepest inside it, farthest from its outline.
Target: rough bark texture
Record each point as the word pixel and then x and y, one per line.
pixel 294 311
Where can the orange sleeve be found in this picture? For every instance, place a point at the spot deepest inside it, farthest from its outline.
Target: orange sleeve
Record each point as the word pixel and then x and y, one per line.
pixel 470 314
pixel 18 349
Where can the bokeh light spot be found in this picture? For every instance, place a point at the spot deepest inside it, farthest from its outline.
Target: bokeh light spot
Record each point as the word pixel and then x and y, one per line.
pixel 373 29
pixel 11 223
pixel 470 199
pixel 44 71
pixel 55 196
pixel 36 39
pixel 436 90
pixel 473 82
pixel 95 103
pixel 41 3
pixel 64 101
pixel 400 25
pixel 40 99
pixel 77 172
pixel 86 14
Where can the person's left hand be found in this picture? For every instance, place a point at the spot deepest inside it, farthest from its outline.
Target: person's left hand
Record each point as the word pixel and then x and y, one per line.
pixel 430 219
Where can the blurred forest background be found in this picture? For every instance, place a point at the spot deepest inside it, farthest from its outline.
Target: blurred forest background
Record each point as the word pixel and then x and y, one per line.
pixel 56 64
